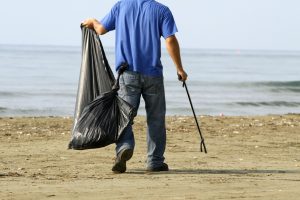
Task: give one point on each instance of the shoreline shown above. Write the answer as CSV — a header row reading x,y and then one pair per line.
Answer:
x,y
249,157
142,115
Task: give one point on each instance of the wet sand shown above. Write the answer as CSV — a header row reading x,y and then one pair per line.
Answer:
x,y
248,158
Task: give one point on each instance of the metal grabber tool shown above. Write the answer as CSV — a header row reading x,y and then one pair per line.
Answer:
x,y
202,144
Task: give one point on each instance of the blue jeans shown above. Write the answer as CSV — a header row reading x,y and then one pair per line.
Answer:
x,y
132,86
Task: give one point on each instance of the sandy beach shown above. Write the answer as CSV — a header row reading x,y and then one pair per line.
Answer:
x,y
248,158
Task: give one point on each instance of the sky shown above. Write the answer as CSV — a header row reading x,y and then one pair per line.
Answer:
x,y
202,24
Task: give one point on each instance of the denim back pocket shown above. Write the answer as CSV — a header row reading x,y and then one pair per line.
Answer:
x,y
154,86
129,83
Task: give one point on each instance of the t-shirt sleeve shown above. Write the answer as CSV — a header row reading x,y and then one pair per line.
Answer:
x,y
109,21
169,27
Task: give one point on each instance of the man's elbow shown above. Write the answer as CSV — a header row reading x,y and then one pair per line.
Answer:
x,y
171,42
171,39
100,29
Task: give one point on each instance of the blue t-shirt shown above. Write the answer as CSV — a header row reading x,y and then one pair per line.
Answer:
x,y
139,25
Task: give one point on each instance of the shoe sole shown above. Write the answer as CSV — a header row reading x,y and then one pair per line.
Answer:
x,y
120,165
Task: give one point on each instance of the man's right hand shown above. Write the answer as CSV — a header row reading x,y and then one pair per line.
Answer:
x,y
182,75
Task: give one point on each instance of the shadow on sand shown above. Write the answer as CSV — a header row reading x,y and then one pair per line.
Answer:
x,y
216,171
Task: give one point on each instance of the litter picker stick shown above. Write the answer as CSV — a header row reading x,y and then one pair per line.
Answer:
x,y
202,144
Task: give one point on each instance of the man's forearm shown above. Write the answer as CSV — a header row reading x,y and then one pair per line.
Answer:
x,y
99,28
174,51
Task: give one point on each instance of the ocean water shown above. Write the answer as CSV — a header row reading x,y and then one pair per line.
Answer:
x,y
43,80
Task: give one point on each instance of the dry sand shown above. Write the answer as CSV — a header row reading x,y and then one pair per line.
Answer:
x,y
248,158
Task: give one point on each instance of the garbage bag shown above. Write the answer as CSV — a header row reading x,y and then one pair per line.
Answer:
x,y
100,114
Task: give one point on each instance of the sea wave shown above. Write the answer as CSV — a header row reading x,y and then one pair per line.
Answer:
x,y
272,86
10,94
270,103
279,86
37,93
34,112
2,109
238,53
294,84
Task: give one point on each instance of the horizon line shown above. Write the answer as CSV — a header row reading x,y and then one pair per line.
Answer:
x,y
183,48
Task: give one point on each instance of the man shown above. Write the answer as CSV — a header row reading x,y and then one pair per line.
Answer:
x,y
139,25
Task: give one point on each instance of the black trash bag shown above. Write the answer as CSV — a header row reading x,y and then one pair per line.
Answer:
x,y
100,114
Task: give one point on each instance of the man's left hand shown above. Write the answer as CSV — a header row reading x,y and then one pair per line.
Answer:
x,y
89,23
